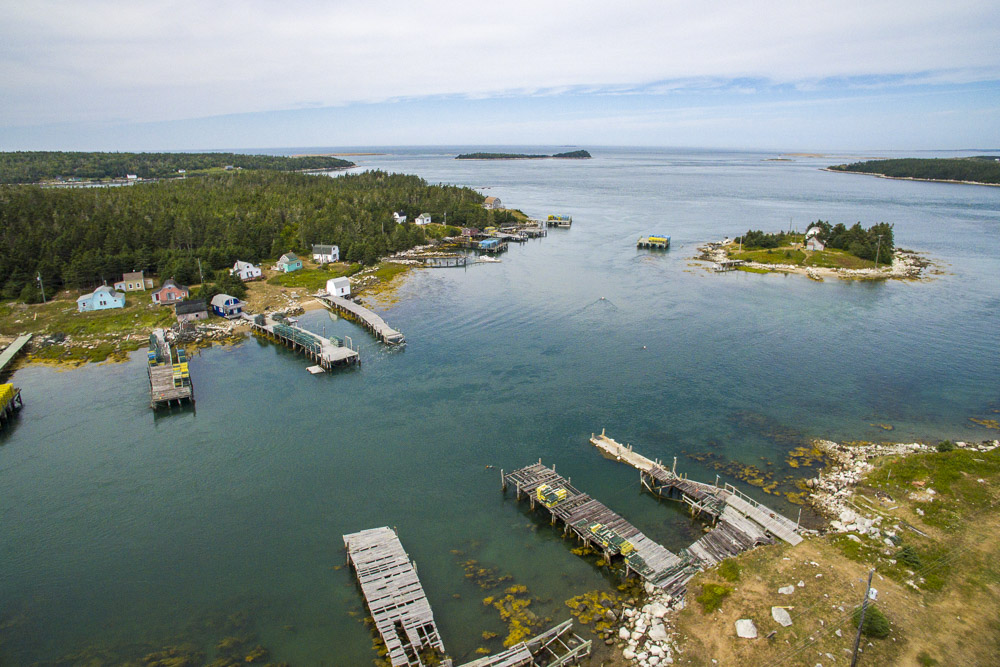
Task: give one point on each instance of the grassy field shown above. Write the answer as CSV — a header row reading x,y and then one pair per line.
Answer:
x,y
938,584
796,256
315,278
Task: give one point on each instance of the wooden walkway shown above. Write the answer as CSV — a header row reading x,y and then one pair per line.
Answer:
x,y
326,352
558,646
12,350
393,594
596,525
169,382
727,502
363,316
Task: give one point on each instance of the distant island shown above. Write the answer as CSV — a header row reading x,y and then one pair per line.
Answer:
x,y
39,166
571,155
979,170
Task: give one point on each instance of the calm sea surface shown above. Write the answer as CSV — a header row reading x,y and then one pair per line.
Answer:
x,y
120,529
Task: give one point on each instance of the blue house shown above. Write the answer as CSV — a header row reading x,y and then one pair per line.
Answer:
x,y
224,305
289,262
102,298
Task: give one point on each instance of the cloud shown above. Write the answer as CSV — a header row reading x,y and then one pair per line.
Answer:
x,y
97,60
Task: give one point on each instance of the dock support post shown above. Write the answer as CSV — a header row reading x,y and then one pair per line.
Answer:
x,y
674,469
799,519
503,481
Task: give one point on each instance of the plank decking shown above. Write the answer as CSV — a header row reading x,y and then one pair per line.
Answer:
x,y
365,317
11,350
394,596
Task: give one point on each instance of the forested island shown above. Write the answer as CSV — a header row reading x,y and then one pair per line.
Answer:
x,y
38,166
982,169
571,155
80,237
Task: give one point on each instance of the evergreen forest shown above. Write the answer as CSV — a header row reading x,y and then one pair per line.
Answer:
x,y
37,166
80,237
981,169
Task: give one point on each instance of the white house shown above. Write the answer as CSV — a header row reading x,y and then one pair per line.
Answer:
x,y
339,287
245,271
812,239
324,254
492,203
399,218
423,219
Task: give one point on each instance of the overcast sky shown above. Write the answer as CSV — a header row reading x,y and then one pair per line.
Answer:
x,y
102,75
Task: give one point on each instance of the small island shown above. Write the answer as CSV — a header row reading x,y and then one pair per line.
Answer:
x,y
824,250
979,170
571,155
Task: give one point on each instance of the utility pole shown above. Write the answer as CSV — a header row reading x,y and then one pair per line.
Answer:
x,y
41,286
861,623
877,248
200,274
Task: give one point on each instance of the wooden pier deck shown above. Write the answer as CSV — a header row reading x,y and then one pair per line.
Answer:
x,y
363,316
169,382
326,352
393,594
555,647
595,524
654,242
12,350
708,498
728,265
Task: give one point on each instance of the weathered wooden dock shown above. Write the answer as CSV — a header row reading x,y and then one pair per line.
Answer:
x,y
595,524
393,594
654,242
364,317
10,402
12,350
728,265
326,352
169,380
555,647
740,523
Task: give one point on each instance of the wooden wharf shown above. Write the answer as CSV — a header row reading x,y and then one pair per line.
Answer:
x,y
394,596
369,320
13,349
713,500
595,524
169,382
654,242
555,647
10,402
729,265
326,352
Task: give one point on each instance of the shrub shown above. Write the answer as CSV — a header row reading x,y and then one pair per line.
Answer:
x,y
712,596
909,557
945,446
876,624
729,570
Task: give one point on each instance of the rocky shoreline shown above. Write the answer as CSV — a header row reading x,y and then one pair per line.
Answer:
x,y
906,265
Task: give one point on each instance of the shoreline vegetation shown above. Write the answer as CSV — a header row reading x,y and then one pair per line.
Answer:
x,y
824,251
979,170
571,155
69,168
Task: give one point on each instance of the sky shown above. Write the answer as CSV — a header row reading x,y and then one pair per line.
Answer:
x,y
784,75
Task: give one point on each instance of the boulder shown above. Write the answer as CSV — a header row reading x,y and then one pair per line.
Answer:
x,y
847,516
628,654
657,610
658,633
787,590
746,629
781,616
623,633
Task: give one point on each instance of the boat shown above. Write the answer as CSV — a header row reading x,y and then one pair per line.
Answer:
x,y
487,258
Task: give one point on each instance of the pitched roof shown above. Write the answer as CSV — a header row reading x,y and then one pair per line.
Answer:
x,y
288,257
221,299
323,249
489,200
243,265
187,307
135,275
169,282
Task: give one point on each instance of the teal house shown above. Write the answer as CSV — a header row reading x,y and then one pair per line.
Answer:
x,y
289,262
102,298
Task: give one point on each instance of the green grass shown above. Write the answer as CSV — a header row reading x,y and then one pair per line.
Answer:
x,y
729,570
830,258
138,315
837,259
712,596
314,279
772,256
387,271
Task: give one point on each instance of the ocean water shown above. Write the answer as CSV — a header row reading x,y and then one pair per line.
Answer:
x,y
121,529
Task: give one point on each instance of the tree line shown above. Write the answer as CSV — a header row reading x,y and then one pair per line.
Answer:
x,y
81,237
875,242
36,166
981,169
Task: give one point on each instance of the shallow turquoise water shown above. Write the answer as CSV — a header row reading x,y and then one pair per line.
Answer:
x,y
118,526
